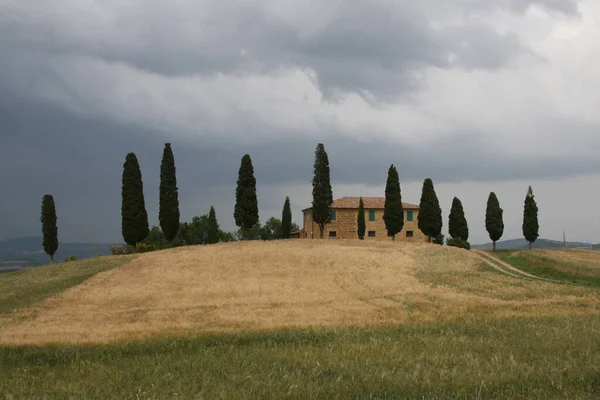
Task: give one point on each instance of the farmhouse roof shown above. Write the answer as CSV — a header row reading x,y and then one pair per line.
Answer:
x,y
370,203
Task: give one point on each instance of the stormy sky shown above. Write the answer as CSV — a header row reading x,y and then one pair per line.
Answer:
x,y
478,95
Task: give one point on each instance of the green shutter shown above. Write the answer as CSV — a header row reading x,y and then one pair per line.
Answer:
x,y
371,215
409,215
333,215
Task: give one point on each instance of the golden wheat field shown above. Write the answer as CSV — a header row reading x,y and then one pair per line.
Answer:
x,y
242,286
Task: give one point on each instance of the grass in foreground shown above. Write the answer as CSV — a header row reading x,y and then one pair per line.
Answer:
x,y
573,266
24,288
517,358
468,352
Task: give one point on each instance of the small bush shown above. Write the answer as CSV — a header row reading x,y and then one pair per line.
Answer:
x,y
456,242
117,250
439,239
144,247
120,250
71,258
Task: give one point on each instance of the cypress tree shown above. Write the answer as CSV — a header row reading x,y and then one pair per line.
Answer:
x,y
245,212
493,219
430,213
168,213
49,229
530,218
393,214
322,193
457,223
134,218
286,220
212,229
360,220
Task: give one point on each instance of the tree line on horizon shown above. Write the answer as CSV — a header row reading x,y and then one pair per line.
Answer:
x,y
205,229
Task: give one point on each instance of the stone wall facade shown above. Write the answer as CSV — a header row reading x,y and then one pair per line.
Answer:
x,y
344,226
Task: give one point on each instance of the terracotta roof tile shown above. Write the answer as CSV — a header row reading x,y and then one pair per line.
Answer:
x,y
370,203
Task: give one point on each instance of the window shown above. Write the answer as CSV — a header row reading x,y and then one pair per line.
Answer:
x,y
371,234
333,215
371,215
409,233
332,234
409,215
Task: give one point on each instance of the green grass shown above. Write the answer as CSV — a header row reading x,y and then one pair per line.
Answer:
x,y
546,267
23,288
517,358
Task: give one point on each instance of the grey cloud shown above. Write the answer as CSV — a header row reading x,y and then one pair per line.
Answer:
x,y
372,48
564,6
480,47
567,7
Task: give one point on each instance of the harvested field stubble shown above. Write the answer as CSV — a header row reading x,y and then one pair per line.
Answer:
x,y
247,286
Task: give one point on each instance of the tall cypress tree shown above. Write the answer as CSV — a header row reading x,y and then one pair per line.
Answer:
x,y
430,213
530,218
322,193
168,213
361,225
49,228
134,218
457,223
212,229
286,220
393,214
245,212
493,219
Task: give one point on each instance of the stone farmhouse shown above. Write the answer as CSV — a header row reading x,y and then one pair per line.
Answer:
x,y
344,213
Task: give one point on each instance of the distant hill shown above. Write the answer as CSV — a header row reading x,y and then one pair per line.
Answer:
x,y
540,243
28,252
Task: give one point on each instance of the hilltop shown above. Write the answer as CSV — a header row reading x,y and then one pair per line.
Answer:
x,y
257,286
26,252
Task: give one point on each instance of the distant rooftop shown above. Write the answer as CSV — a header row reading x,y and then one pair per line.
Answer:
x,y
369,202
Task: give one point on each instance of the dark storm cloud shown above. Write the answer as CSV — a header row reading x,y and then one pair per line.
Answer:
x,y
377,51
372,48
79,161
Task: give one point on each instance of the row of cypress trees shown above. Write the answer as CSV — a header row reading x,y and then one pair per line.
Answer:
x,y
494,224
135,227
430,212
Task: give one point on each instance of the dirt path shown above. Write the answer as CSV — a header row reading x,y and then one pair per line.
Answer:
x,y
491,264
506,265
489,259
